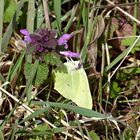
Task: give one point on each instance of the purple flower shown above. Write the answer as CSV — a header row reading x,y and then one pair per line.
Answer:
x,y
70,54
44,40
63,40
26,34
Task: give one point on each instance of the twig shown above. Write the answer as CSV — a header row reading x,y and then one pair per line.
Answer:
x,y
127,14
120,5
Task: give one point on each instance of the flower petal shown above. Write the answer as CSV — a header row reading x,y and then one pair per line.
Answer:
x,y
26,34
64,39
66,46
24,31
27,39
70,54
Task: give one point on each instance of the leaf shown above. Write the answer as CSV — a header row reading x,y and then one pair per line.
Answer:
x,y
33,115
39,15
114,90
1,135
9,11
30,49
100,26
31,75
31,15
74,85
11,27
130,41
41,128
57,10
53,59
111,27
1,21
2,78
16,67
122,55
94,136
41,75
82,111
27,70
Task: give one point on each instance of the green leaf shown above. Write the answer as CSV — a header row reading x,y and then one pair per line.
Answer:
x,y
10,10
122,55
94,136
1,135
39,15
31,15
41,75
36,135
74,85
2,78
1,20
70,21
82,111
17,66
114,89
41,128
31,76
53,59
27,70
130,41
57,10
33,115
11,27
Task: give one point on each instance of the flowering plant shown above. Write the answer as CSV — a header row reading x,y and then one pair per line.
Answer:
x,y
49,48
44,40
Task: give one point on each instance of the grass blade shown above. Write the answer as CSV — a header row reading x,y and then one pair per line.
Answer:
x,y
1,21
11,27
122,55
2,78
73,12
79,110
31,15
57,10
33,115
39,15
16,66
1,135
30,80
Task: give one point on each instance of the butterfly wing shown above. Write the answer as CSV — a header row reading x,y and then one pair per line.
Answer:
x,y
74,85
83,96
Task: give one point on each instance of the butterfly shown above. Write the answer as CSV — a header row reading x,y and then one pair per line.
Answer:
x,y
74,84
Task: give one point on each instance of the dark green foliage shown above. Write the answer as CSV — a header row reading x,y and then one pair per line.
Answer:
x,y
129,42
27,70
114,89
41,74
53,59
50,59
10,8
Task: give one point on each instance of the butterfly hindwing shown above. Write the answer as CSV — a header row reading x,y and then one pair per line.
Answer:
x,y
74,85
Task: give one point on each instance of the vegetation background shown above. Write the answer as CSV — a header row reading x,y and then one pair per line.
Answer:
x,y
106,34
